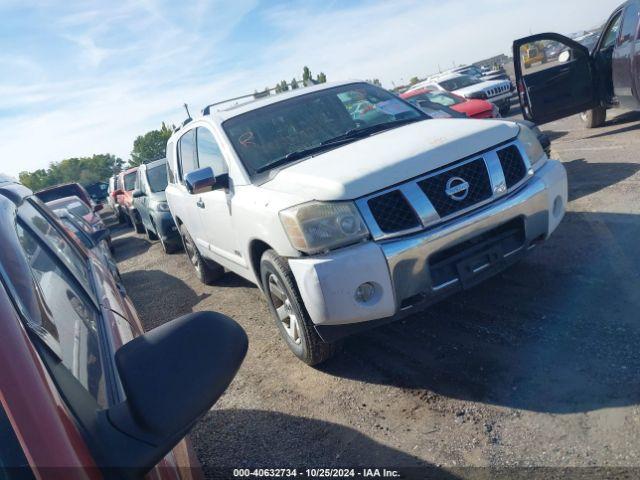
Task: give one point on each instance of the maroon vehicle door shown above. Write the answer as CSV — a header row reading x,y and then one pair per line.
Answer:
x,y
626,58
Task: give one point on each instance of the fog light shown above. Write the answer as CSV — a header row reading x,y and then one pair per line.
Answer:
x,y
365,292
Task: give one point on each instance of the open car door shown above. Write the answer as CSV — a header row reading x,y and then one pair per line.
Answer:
x,y
555,77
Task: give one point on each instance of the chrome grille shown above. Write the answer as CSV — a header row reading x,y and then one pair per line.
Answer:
x,y
424,201
474,173
512,165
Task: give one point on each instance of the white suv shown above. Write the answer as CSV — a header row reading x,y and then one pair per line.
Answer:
x,y
349,219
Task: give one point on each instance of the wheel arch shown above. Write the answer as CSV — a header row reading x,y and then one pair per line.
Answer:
x,y
256,248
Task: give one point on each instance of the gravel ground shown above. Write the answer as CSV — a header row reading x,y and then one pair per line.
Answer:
x,y
537,367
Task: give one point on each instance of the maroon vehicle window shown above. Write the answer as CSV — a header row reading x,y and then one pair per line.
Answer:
x,y
68,322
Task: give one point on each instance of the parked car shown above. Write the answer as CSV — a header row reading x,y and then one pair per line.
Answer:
x,y
111,198
150,202
96,240
86,393
98,191
584,81
345,226
124,197
68,190
79,208
497,92
472,108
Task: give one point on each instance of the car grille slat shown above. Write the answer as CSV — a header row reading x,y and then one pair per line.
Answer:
x,y
474,173
392,212
512,164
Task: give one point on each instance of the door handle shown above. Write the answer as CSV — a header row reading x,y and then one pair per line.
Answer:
x,y
200,203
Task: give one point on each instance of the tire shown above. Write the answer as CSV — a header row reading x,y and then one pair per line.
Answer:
x,y
288,310
138,226
594,118
151,235
505,109
207,271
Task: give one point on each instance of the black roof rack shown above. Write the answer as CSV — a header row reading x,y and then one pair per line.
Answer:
x,y
256,95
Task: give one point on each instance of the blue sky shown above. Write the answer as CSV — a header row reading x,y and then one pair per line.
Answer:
x,y
82,77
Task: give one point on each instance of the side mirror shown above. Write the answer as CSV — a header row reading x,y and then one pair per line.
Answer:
x,y
171,376
100,235
137,193
98,207
564,56
200,181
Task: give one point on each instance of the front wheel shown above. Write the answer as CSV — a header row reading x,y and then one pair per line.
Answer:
x,y
208,272
291,317
594,118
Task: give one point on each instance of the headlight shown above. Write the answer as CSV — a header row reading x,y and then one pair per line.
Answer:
x,y
317,226
532,146
162,206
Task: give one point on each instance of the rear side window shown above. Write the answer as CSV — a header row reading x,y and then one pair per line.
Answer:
x,y
68,322
209,154
629,24
187,153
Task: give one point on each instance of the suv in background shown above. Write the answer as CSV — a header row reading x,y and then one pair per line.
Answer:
x,y
581,80
347,222
85,392
124,198
150,202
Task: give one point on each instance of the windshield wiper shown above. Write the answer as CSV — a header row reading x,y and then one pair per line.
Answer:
x,y
356,133
349,135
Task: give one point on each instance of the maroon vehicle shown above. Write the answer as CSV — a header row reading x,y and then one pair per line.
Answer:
x,y
124,199
84,392
68,190
583,81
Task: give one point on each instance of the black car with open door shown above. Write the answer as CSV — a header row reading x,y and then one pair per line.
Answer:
x,y
580,80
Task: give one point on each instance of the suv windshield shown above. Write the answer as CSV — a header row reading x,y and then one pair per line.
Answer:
x,y
308,124
458,82
157,177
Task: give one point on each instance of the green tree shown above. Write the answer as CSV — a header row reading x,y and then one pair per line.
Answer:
x,y
306,75
413,80
294,84
321,78
83,170
150,146
278,88
375,81
284,86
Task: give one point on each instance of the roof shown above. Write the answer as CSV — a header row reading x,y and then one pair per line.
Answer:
x,y
155,163
235,110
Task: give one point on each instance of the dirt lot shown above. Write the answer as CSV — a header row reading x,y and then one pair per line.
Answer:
x,y
538,366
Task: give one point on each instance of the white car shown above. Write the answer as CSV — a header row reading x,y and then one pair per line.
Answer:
x,y
345,224
497,92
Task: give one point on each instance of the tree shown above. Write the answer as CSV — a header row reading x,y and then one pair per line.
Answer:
x,y
150,146
306,75
284,86
375,81
278,88
321,78
294,84
84,170
413,80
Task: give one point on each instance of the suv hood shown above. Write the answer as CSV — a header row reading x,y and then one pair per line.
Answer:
x,y
387,158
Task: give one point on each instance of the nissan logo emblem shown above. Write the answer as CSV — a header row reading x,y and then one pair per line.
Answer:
x,y
457,188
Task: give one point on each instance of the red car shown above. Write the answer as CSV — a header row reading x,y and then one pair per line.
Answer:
x,y
124,199
84,392
471,108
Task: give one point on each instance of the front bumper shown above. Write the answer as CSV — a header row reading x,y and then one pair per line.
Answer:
x,y
425,267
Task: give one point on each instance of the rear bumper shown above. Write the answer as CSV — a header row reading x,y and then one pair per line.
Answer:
x,y
422,268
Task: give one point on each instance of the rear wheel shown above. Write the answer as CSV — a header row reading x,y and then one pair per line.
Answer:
x,y
594,118
151,235
288,310
208,272
135,223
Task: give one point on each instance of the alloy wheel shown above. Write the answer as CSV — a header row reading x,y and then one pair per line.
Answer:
x,y
284,309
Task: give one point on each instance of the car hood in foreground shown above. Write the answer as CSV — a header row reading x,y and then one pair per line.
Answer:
x,y
388,158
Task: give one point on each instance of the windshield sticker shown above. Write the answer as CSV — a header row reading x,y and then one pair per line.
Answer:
x,y
393,107
246,139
